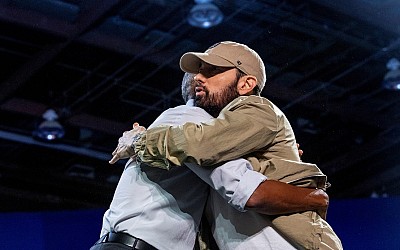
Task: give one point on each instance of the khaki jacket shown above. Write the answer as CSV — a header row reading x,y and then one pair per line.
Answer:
x,y
251,127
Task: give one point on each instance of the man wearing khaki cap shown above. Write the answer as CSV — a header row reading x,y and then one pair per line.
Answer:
x,y
157,209
249,125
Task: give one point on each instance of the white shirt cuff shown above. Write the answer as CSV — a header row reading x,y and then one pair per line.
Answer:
x,y
248,183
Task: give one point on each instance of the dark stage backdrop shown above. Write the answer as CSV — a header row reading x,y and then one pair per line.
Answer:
x,y
360,223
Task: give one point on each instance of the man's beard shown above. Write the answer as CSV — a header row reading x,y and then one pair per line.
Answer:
x,y
215,102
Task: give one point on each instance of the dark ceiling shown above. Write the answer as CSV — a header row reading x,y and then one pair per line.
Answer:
x,y
104,64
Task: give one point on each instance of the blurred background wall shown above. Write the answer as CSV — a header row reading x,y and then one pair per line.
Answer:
x,y
369,223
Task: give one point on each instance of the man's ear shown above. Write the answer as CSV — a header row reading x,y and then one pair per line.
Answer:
x,y
246,84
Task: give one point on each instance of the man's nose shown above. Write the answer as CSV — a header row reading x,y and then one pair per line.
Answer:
x,y
199,77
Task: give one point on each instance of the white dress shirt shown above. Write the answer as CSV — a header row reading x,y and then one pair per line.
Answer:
x,y
163,207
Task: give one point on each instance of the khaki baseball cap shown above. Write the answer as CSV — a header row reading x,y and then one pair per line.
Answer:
x,y
227,54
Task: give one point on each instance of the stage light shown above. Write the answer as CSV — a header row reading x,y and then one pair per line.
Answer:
x,y
50,129
205,14
391,81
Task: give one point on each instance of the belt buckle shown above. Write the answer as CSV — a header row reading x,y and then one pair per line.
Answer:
x,y
102,239
140,244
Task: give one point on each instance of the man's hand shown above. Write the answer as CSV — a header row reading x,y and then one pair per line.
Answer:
x,y
300,151
321,197
124,149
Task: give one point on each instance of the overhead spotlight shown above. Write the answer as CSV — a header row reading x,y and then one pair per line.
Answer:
x,y
205,14
50,129
391,80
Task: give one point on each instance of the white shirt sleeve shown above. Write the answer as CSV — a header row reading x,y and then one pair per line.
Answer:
x,y
235,180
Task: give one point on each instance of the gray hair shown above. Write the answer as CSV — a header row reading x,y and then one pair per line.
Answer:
x,y
188,86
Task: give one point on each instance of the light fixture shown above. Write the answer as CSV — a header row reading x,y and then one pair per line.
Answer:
x,y
50,129
205,14
391,80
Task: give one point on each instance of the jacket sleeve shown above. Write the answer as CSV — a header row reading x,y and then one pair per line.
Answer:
x,y
246,125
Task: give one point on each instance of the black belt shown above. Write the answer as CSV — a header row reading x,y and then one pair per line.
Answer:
x,y
127,240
